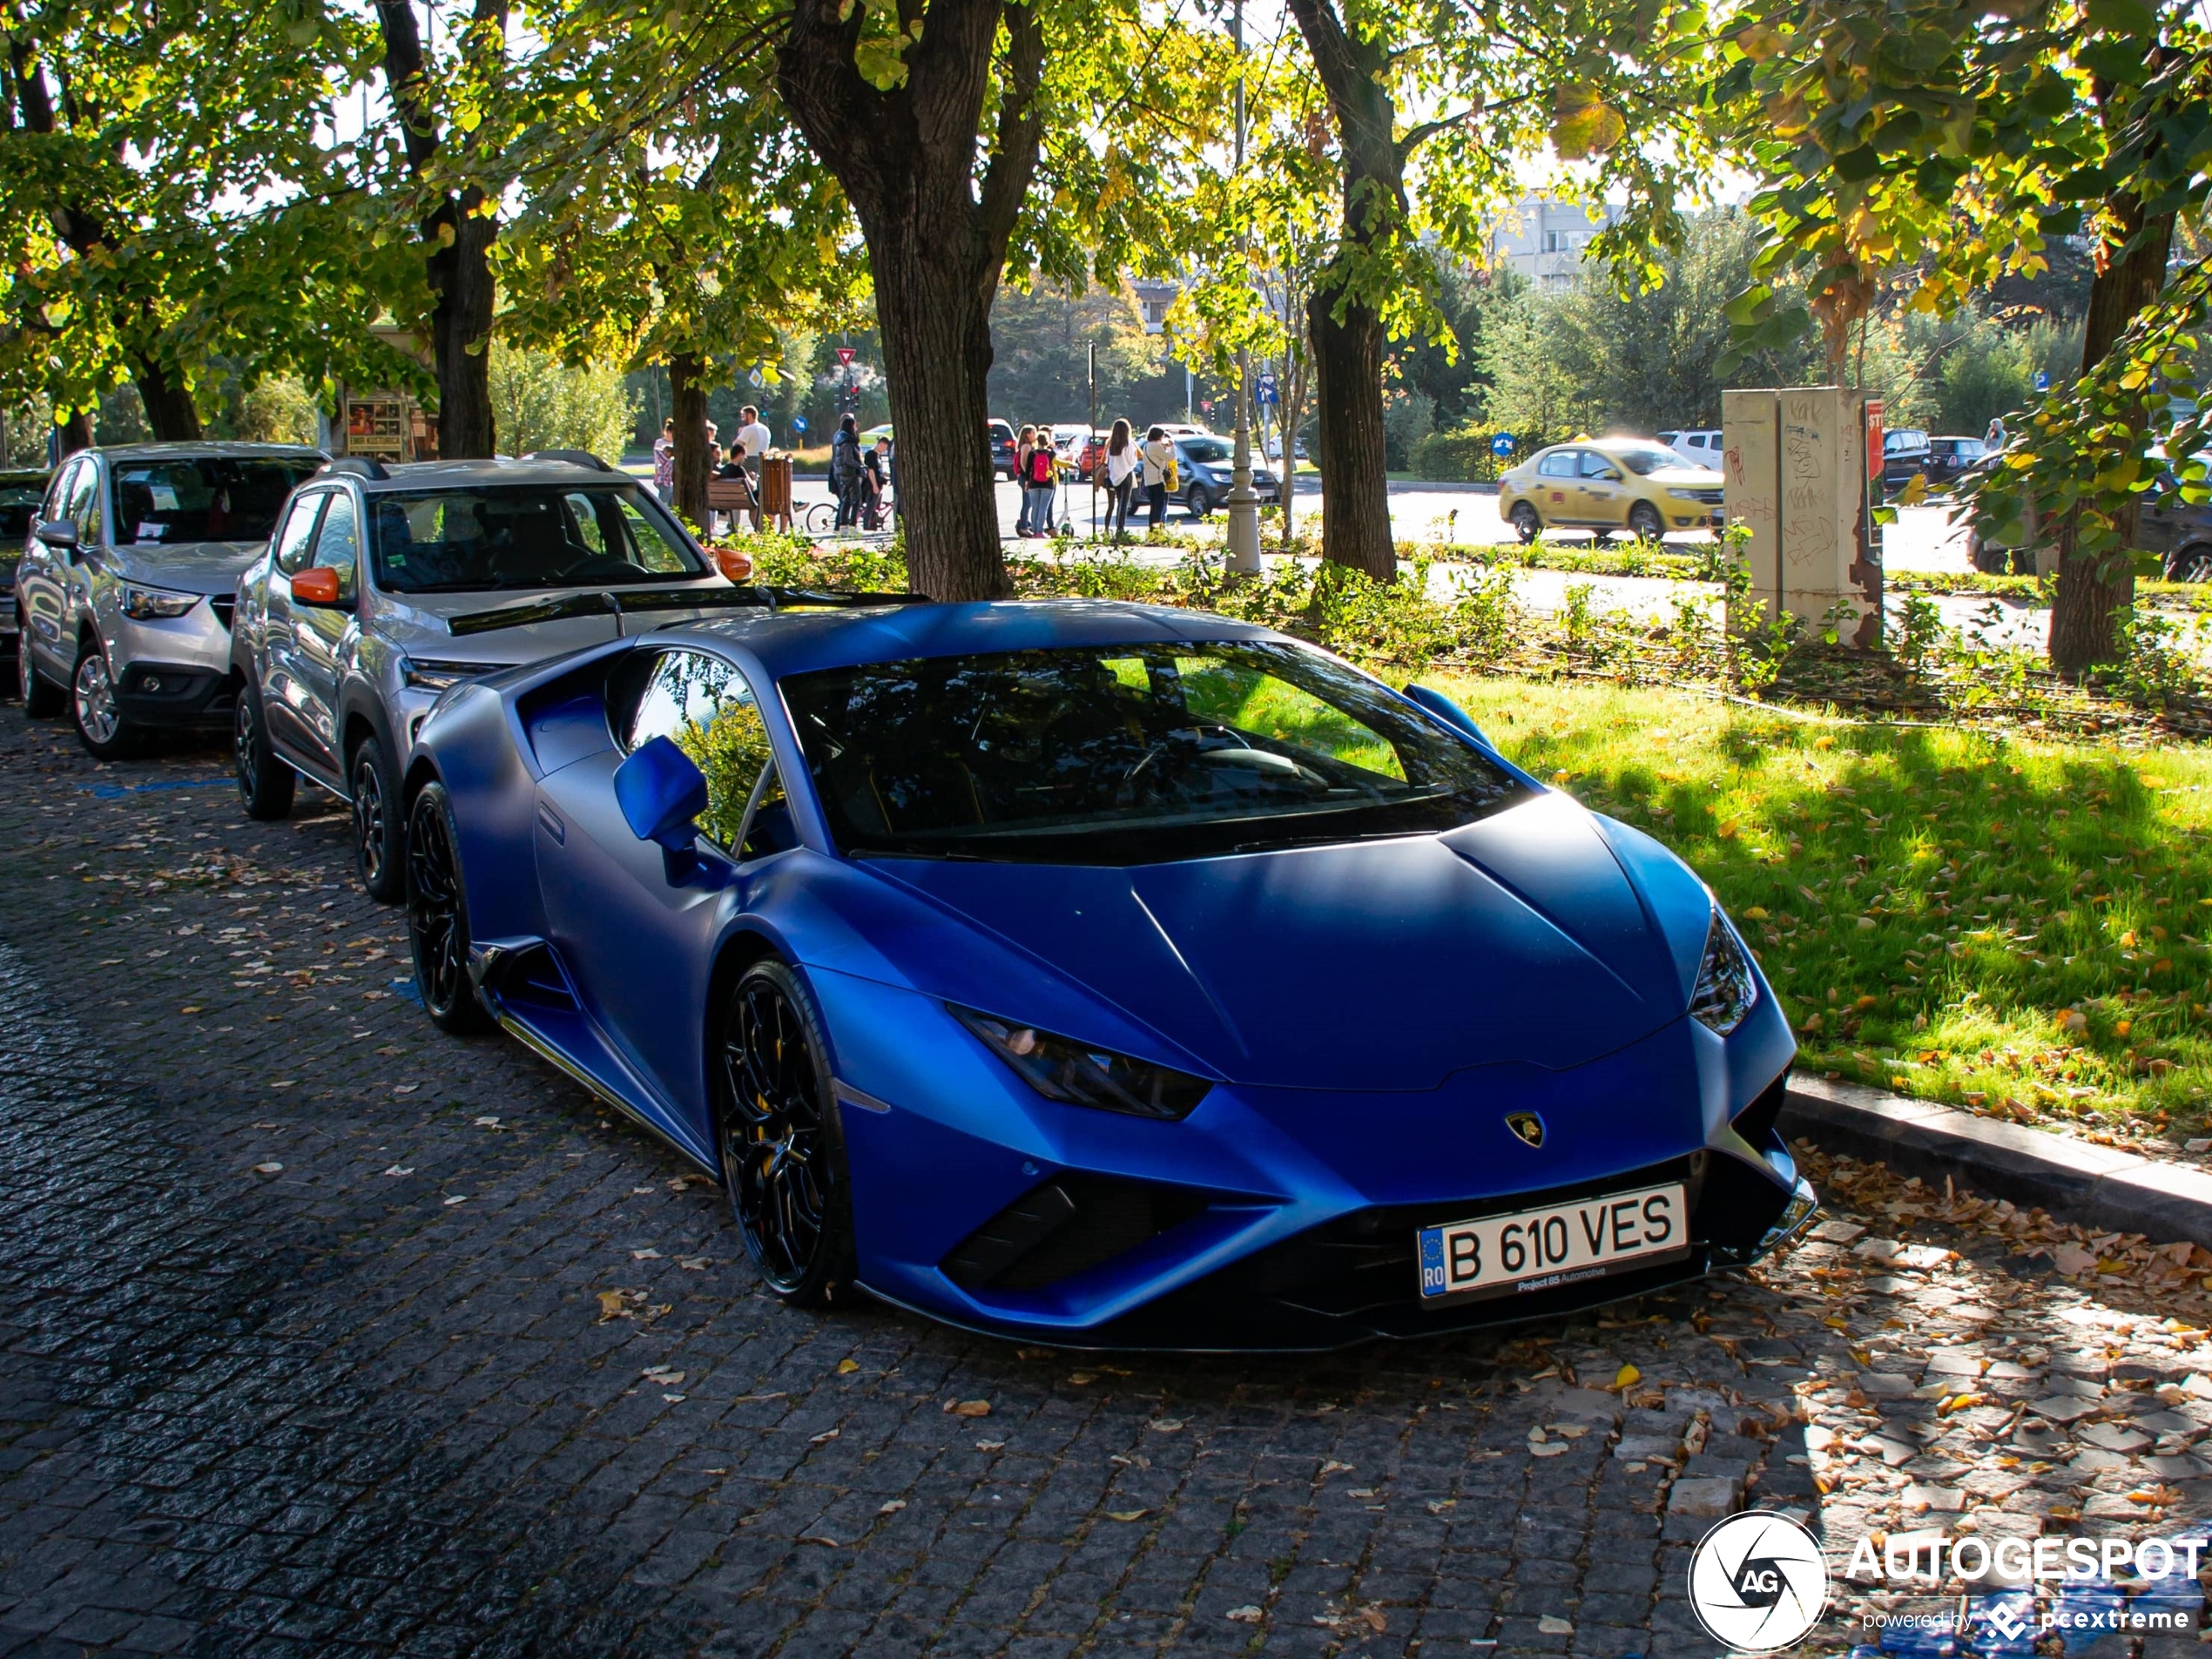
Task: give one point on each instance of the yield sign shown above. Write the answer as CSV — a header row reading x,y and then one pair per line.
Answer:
x,y
845,356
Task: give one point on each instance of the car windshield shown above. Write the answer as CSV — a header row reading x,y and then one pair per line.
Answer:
x,y
522,535
1644,459
19,506
208,498
1207,450
1124,754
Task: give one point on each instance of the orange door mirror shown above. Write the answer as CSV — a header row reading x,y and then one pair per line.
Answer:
x,y
316,585
735,565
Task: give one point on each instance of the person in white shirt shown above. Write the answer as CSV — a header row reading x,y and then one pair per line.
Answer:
x,y
1158,452
1121,465
753,440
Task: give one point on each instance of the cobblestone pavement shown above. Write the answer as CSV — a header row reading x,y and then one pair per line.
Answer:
x,y
321,1332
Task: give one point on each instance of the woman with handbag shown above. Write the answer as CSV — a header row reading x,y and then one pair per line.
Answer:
x,y
1122,462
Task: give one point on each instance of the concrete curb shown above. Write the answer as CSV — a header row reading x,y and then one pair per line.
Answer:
x,y
2074,1181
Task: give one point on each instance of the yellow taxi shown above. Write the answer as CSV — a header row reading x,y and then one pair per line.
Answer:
x,y
1630,485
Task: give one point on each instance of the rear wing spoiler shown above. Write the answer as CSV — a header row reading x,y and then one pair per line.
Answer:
x,y
620,604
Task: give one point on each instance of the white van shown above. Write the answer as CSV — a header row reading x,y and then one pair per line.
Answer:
x,y
1700,446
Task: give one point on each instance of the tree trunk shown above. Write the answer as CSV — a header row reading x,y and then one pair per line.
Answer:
x,y
460,239
2092,588
936,244
168,403
77,432
687,389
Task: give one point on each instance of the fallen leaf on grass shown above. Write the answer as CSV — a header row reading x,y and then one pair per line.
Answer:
x,y
663,1376
968,1407
1624,1377
846,1368
610,1306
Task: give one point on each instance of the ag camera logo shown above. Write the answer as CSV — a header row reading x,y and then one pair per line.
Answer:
x,y
1758,1584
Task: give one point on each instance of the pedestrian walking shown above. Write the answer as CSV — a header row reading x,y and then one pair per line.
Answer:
x,y
878,461
753,440
664,463
1159,467
1040,480
1022,444
1121,463
847,472
1995,437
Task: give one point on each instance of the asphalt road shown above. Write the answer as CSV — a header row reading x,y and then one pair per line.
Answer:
x,y
323,1333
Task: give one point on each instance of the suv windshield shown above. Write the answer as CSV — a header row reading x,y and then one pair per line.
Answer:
x,y
1644,461
19,507
205,499
523,536
1207,450
1124,754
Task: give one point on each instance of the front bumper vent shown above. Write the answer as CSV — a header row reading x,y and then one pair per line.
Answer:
x,y
1064,1228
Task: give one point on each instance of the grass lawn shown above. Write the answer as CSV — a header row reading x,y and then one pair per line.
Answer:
x,y
2014,928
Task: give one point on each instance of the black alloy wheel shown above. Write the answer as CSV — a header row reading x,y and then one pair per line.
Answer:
x,y
2191,564
437,917
779,1141
264,784
1201,504
1526,524
378,838
42,699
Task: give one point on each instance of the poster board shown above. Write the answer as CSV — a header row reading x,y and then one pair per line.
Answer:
x,y
1796,471
379,425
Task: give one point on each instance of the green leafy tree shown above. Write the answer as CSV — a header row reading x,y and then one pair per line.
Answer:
x,y
1043,342
1962,143
540,402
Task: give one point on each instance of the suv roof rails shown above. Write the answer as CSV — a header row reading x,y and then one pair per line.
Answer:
x,y
360,466
574,457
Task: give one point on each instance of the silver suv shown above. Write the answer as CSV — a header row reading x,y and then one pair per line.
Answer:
x,y
384,586
125,587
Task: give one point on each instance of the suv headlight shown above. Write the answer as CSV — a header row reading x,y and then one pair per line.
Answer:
x,y
1727,989
1064,1069
422,675
147,605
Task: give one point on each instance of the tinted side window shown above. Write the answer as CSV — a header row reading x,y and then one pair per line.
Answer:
x,y
338,542
703,706
1558,466
296,539
81,508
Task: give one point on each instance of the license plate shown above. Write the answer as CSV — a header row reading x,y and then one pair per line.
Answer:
x,y
1560,1244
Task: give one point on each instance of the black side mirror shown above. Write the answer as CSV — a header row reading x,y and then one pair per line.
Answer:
x,y
58,533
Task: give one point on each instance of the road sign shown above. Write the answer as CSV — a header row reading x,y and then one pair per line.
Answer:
x,y
2042,380
845,356
1501,444
1264,391
757,379
798,423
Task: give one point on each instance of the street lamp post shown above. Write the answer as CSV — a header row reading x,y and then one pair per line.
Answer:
x,y
1243,504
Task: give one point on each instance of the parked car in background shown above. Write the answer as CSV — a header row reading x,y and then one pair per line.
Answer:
x,y
1002,447
1609,484
1949,459
966,947
2178,530
1699,445
22,488
1906,455
1204,469
384,587
1275,447
124,587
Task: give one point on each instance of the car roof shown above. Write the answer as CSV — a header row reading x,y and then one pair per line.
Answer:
x,y
474,474
213,449
794,642
25,475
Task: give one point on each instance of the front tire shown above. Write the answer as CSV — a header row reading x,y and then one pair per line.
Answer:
x,y
92,708
380,842
780,1140
1200,502
437,917
42,699
1645,524
1526,524
2190,564
264,784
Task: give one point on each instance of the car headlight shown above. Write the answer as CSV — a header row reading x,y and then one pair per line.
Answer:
x,y
1064,1069
423,674
1727,989
147,605
1686,494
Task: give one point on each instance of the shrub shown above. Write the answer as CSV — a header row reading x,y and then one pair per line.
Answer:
x,y
1461,456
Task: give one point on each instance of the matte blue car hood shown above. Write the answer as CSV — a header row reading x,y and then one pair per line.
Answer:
x,y
1380,965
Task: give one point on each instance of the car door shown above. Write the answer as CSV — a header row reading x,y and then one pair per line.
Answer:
x,y
1559,487
285,693
634,924
323,635
40,576
1605,492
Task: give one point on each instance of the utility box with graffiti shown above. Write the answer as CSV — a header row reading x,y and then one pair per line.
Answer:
x,y
1803,475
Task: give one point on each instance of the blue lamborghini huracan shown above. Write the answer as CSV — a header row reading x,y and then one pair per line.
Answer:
x,y
1102,974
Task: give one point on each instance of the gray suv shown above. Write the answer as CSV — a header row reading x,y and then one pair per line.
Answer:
x,y
384,586
123,589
